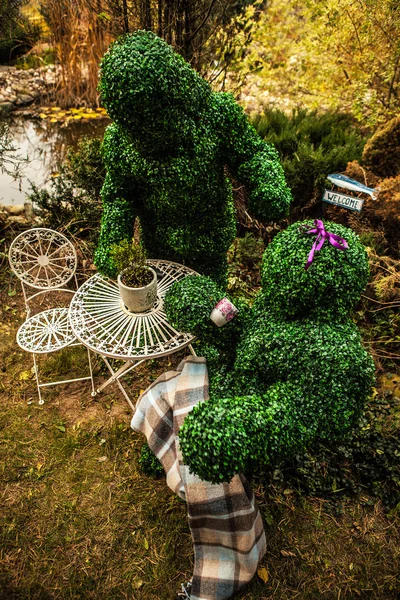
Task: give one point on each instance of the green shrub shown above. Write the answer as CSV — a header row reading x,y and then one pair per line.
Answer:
x,y
327,376
382,151
295,371
248,250
188,304
165,156
310,146
20,37
73,200
223,437
149,463
329,288
86,167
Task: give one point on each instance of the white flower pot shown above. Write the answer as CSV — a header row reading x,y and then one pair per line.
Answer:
x,y
138,300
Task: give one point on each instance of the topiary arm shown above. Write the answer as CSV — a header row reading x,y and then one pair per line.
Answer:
x,y
223,437
253,162
119,195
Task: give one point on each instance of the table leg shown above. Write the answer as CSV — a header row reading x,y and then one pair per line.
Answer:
x,y
115,375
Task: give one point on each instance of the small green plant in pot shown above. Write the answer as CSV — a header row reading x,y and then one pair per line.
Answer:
x,y
137,281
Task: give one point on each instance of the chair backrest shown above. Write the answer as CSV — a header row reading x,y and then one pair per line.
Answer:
x,y
42,259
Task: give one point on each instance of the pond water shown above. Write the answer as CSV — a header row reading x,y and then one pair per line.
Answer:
x,y
44,146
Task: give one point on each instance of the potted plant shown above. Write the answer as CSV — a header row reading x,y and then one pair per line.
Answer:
x,y
137,281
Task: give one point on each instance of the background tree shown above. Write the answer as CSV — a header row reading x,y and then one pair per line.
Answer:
x,y
190,26
212,36
9,12
336,53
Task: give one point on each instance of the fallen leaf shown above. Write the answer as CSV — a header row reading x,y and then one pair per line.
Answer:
x,y
137,584
61,428
263,574
102,459
24,375
146,544
287,553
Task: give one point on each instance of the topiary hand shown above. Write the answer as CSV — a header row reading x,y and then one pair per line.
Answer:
x,y
223,437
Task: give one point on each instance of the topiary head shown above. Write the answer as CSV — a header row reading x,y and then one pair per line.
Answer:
x,y
150,90
329,288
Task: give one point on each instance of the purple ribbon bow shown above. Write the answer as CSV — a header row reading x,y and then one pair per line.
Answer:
x,y
322,235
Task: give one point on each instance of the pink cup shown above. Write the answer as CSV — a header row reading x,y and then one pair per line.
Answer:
x,y
223,312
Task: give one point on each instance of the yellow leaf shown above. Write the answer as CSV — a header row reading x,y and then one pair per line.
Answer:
x,y
43,116
55,108
24,375
137,584
146,544
77,117
53,120
263,574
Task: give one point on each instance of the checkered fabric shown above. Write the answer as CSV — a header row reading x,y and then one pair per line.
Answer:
x,y
224,520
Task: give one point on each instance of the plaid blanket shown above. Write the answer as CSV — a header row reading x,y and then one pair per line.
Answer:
x,y
224,520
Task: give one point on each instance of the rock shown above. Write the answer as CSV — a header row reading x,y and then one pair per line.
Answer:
x,y
15,210
24,99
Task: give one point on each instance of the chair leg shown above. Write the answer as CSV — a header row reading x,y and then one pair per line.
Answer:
x,y
94,393
36,367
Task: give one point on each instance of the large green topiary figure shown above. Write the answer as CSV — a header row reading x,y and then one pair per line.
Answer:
x,y
165,155
296,369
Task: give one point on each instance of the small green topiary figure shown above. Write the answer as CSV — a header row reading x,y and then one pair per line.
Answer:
x,y
296,369
165,155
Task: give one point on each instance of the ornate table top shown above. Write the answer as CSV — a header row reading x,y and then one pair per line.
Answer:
x,y
102,323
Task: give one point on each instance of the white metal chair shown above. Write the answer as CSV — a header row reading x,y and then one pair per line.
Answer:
x,y
45,260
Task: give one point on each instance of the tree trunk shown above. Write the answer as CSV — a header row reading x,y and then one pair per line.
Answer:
x,y
125,14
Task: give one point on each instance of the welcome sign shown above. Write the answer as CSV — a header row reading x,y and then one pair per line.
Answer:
x,y
343,200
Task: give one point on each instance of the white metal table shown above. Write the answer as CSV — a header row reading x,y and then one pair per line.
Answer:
x,y
102,323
